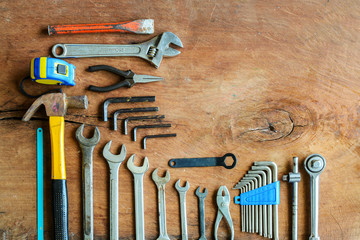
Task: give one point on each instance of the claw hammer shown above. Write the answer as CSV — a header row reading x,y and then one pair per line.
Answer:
x,y
56,105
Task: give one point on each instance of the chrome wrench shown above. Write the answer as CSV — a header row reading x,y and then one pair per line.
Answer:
x,y
138,173
201,196
182,193
87,149
314,165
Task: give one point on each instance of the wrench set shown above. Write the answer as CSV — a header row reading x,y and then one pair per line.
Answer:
x,y
259,187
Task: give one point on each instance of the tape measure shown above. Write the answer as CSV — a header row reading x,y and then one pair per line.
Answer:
x,y
52,71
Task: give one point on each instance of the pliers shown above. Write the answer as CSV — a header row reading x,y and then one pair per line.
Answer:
x,y
223,202
130,78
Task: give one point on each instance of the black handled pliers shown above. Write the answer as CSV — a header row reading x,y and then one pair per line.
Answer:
x,y
130,78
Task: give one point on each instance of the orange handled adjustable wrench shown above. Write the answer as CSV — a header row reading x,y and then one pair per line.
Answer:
x,y
141,26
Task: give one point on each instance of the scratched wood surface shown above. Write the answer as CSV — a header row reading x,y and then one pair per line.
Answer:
x,y
265,80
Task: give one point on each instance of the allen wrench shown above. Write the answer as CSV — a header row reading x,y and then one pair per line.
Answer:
x,y
132,110
156,136
135,118
148,126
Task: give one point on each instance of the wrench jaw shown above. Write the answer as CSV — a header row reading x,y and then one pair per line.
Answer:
x,y
201,194
160,180
88,142
135,169
182,189
114,158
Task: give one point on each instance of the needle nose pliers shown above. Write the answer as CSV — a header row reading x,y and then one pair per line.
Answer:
x,y
223,202
130,78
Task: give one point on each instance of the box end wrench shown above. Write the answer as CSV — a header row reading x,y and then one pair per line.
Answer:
x,y
87,146
160,184
114,162
201,196
182,194
138,173
314,166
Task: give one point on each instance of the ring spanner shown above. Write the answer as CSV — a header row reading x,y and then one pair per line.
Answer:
x,y
203,162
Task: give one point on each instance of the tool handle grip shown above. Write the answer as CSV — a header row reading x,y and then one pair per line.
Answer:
x,y
57,125
60,209
124,83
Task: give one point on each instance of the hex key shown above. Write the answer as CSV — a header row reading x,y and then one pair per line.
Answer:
x,y
156,136
126,120
132,110
148,126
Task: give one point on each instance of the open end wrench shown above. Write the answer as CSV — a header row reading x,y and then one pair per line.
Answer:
x,y
152,51
87,148
314,166
201,196
160,184
182,193
114,162
138,173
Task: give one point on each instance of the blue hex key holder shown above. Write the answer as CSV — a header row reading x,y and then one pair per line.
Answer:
x,y
265,195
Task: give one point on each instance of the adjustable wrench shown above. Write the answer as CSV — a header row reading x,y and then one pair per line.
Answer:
x,y
138,173
314,165
182,193
114,164
152,51
87,149
201,197
160,184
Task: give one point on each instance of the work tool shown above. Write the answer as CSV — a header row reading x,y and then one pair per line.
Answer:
x,y
152,51
124,100
314,166
255,220
132,110
87,146
114,162
249,184
203,162
223,202
40,183
182,194
138,173
136,118
201,196
294,177
56,105
140,26
156,136
160,184
167,125
129,78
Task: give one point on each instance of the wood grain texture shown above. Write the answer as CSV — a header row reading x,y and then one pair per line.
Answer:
x,y
266,80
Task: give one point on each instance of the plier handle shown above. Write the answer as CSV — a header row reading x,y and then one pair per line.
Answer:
x,y
223,202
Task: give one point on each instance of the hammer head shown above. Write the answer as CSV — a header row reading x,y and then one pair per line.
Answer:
x,y
56,104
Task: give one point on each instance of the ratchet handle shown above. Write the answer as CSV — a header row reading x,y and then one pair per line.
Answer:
x,y
60,209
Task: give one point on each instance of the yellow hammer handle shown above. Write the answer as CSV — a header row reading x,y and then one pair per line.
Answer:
x,y
57,125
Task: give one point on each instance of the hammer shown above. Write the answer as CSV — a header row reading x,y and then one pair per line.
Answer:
x,y
56,105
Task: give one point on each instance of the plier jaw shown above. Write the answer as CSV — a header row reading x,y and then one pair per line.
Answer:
x,y
223,202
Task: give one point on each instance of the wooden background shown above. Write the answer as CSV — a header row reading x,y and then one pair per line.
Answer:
x,y
266,80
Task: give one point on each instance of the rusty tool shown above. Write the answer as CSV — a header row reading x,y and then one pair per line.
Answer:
x,y
140,26
148,126
56,105
132,110
124,100
152,51
156,136
136,118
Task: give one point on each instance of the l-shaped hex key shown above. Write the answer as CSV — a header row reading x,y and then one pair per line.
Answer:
x,y
132,110
148,126
156,136
128,119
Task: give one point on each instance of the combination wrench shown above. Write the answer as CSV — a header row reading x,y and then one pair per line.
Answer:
x,y
138,173
114,162
160,184
87,148
314,166
182,194
201,196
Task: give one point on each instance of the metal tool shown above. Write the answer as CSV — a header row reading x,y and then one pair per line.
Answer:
x,y
114,162
160,184
138,173
223,202
156,136
314,166
152,51
258,209
140,26
87,148
250,185
182,194
136,118
294,177
148,126
203,162
56,105
132,110
40,183
129,78
201,196
246,212
124,100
